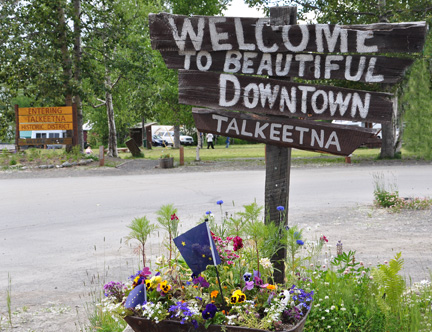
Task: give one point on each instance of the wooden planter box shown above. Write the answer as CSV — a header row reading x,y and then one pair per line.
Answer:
x,y
139,324
166,162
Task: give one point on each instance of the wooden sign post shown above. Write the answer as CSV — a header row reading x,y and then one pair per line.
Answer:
x,y
239,64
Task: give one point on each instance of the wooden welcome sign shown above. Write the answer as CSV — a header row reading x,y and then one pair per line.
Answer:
x,y
217,56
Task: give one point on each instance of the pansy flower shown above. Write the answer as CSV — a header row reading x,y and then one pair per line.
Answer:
x,y
247,276
164,287
209,311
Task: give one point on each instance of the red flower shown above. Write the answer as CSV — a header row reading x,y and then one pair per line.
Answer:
x,y
323,238
174,217
238,243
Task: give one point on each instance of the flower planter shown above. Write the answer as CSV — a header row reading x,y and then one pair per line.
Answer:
x,y
166,162
139,324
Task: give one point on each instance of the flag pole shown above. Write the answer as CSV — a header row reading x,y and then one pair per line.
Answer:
x,y
215,265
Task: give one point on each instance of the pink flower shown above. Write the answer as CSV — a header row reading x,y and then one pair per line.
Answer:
x,y
174,217
323,238
238,243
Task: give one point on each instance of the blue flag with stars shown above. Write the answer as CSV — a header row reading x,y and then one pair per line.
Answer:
x,y
197,248
137,296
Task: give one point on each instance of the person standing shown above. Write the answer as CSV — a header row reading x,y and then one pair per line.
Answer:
x,y
227,142
209,138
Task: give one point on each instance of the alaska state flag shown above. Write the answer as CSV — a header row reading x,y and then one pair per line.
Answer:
x,y
197,248
136,296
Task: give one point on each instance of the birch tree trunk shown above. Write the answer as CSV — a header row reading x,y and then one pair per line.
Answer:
x,y
77,73
112,133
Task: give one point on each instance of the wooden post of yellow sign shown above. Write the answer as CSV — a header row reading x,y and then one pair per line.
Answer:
x,y
16,128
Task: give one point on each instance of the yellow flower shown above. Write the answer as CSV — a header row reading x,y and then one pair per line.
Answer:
x,y
214,293
234,299
155,281
148,284
238,297
164,286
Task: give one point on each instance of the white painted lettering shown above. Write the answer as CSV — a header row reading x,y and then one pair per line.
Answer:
x,y
286,133
248,63
255,97
266,93
219,119
274,133
324,103
333,140
331,38
360,68
362,106
209,60
315,138
302,58
329,66
232,58
370,77
216,37
305,89
265,64
340,102
259,130
279,58
361,38
259,37
240,36
317,65
232,126
223,79
243,129
187,29
304,41
187,59
302,130
289,101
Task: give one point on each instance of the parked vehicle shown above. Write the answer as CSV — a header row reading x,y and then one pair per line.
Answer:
x,y
169,137
158,141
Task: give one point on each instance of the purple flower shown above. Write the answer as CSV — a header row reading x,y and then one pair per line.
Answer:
x,y
202,282
208,212
194,323
220,202
249,285
198,298
280,208
209,311
300,242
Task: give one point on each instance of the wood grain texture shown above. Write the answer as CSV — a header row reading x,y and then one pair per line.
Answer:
x,y
300,134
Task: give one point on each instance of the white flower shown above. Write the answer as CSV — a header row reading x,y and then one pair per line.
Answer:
x,y
332,307
343,309
265,262
326,297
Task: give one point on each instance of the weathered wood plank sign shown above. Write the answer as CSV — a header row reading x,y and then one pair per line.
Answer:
x,y
283,98
355,68
204,33
214,55
302,134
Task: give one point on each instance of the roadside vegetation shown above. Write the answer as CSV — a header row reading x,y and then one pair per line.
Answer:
x,y
246,152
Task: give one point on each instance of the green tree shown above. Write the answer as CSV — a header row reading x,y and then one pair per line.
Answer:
x,y
141,229
165,101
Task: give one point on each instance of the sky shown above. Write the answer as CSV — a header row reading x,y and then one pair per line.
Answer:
x,y
239,9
